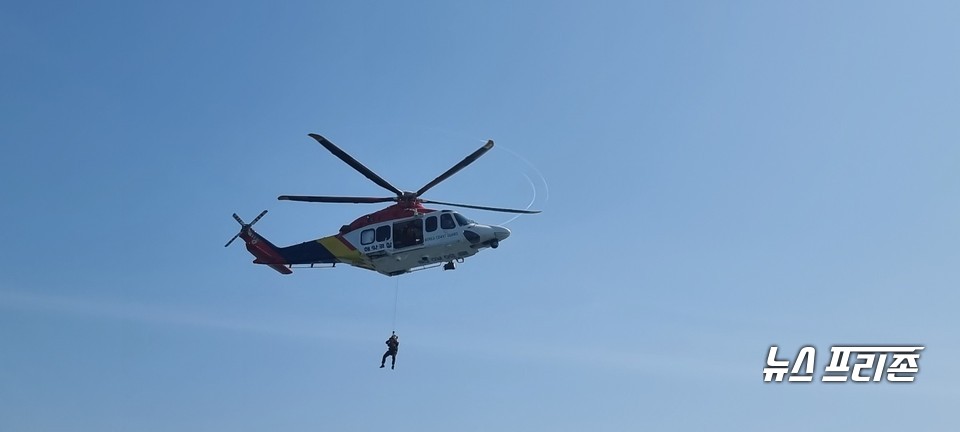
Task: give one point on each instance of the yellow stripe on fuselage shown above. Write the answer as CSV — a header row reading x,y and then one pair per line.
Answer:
x,y
344,253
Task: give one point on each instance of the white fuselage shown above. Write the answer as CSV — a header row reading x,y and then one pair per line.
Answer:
x,y
397,246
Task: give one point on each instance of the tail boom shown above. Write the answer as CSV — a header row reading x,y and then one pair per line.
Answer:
x,y
326,250
264,251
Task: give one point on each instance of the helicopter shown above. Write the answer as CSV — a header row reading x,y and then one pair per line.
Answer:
x,y
403,237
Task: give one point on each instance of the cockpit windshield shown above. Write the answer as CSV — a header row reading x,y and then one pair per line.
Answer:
x,y
463,221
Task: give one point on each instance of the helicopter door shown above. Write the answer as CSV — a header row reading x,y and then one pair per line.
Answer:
x,y
408,233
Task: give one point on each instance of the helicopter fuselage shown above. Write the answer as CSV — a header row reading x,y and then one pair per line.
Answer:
x,y
390,246
397,246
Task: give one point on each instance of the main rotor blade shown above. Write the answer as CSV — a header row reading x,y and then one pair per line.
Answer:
x,y
356,165
496,209
466,161
336,199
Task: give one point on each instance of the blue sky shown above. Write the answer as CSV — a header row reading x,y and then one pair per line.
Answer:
x,y
718,177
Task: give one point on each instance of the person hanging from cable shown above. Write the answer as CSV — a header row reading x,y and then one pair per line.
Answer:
x,y
392,344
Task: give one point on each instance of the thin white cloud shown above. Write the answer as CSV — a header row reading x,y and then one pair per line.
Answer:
x,y
639,360
127,311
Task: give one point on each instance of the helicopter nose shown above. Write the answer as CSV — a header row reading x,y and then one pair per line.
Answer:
x,y
500,232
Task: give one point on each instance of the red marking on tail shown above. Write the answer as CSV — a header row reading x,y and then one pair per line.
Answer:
x,y
264,251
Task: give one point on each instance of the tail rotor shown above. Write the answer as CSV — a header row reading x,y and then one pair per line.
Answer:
x,y
244,226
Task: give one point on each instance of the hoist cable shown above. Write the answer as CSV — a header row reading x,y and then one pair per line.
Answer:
x,y
396,300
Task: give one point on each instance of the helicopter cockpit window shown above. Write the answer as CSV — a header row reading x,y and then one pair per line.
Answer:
x,y
446,221
462,220
366,236
431,224
383,233
408,233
